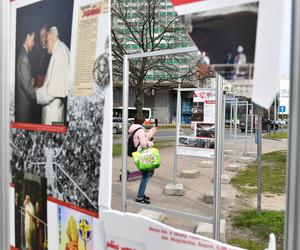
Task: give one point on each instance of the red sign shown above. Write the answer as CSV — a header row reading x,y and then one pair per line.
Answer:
x,y
179,2
39,127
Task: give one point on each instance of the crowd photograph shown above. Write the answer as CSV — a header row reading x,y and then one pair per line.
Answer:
x,y
70,162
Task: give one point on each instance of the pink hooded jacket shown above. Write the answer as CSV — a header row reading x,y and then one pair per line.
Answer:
x,y
141,136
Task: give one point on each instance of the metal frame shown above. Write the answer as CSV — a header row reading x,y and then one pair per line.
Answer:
x,y
218,148
237,104
219,156
4,125
178,124
247,104
292,218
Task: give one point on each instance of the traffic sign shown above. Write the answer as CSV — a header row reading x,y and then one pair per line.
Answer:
x,y
282,109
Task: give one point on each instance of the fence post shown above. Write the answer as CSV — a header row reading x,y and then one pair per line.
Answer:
x,y
218,164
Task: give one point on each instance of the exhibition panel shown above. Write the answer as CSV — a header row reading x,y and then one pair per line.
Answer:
x,y
60,99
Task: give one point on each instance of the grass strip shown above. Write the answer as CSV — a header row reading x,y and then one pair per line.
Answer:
x,y
273,175
256,228
276,136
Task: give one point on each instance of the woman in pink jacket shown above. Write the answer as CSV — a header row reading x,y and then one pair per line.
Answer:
x,y
142,139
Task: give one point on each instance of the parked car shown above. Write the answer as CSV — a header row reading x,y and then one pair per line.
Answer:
x,y
243,123
184,140
267,124
228,122
117,125
280,122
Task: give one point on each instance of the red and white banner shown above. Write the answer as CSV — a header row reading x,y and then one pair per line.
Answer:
x,y
184,7
147,234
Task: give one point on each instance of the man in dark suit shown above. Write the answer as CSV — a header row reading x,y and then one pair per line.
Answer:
x,y
25,92
40,62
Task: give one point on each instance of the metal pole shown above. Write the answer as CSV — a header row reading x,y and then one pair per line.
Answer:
x,y
230,129
246,127
178,122
223,131
259,164
125,131
5,223
275,109
235,130
251,117
2,133
279,124
251,127
292,218
218,157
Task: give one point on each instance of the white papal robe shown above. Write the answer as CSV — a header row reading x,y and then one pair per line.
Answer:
x,y
29,226
55,85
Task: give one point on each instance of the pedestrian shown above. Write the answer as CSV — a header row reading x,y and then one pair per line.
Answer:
x,y
240,60
142,139
229,70
204,59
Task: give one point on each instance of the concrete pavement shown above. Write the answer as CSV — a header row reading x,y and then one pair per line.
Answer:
x,y
195,188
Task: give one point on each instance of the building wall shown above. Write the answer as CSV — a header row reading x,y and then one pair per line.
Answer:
x,y
161,102
163,106
118,98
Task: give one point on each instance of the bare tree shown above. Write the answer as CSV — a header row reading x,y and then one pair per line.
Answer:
x,y
140,27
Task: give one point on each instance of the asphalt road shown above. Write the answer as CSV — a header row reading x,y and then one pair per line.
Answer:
x,y
170,134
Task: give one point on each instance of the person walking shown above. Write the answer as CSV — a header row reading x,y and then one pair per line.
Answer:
x,y
142,139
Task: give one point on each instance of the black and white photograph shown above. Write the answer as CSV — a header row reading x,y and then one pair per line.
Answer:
x,y
194,142
198,112
204,130
42,63
71,162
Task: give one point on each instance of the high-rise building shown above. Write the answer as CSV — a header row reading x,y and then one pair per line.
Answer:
x,y
164,30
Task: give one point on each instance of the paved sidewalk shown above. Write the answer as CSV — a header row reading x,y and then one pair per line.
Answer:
x,y
192,201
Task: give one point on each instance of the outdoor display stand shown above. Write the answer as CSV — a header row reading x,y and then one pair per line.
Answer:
x,y
215,220
199,144
246,104
234,104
